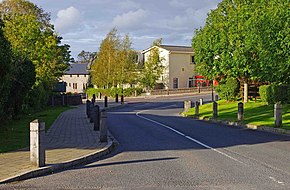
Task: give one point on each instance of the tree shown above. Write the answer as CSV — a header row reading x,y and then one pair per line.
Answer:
x,y
153,67
17,77
115,64
33,40
86,57
28,29
233,42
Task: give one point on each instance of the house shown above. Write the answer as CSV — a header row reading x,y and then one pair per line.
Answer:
x,y
76,78
179,65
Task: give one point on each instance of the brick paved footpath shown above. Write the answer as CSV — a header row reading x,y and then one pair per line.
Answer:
x,y
71,137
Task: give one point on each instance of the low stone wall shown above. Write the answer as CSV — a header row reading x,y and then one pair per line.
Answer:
x,y
180,91
65,100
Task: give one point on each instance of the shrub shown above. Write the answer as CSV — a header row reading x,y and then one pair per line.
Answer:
x,y
229,90
111,92
275,93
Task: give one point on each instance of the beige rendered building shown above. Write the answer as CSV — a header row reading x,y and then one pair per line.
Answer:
x,y
76,78
179,64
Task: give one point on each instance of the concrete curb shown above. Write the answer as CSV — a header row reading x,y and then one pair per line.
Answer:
x,y
62,166
245,126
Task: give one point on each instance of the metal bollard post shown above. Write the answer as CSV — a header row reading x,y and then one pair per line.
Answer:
x,y
91,113
106,101
103,127
216,97
122,99
278,114
117,98
96,118
215,110
94,99
187,105
88,108
196,109
240,111
37,140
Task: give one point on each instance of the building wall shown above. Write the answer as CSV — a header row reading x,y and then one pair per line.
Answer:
x,y
180,67
176,65
75,83
164,56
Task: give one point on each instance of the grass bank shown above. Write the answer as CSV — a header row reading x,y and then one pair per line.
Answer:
x,y
14,134
255,113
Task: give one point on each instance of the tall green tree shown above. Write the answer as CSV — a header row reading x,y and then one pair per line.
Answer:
x,y
244,40
32,36
33,39
153,67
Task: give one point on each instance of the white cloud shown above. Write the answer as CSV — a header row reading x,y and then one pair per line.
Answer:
x,y
67,19
129,20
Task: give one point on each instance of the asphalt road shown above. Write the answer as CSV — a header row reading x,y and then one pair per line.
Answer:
x,y
158,149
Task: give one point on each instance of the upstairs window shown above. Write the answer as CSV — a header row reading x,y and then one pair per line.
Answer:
x,y
192,60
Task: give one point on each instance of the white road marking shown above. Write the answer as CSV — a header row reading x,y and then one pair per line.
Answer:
x,y
189,138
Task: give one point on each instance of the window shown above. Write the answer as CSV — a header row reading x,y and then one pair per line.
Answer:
x,y
75,86
192,60
182,69
84,86
85,75
69,84
78,75
190,82
70,75
175,82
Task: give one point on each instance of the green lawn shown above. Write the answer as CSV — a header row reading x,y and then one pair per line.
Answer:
x,y
256,113
15,134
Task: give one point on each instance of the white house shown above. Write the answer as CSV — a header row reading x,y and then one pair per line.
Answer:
x,y
179,65
76,78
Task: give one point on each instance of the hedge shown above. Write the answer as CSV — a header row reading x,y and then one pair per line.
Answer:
x,y
275,93
111,92
229,90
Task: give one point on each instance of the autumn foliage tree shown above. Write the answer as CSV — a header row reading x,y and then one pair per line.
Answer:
x,y
115,63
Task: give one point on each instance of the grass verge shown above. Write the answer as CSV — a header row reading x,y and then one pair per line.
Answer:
x,y
14,134
255,113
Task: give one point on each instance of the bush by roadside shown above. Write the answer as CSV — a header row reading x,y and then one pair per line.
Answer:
x,y
273,93
111,92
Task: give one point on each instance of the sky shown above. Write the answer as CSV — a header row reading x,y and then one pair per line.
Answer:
x,y
83,24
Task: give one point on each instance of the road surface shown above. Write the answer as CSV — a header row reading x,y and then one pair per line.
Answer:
x,y
158,149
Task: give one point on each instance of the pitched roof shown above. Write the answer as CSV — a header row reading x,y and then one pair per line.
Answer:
x,y
177,48
77,69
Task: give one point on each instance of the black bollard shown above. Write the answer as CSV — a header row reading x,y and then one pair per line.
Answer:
x,y
106,101
96,118
94,99
117,98
91,113
215,110
240,111
88,107
122,99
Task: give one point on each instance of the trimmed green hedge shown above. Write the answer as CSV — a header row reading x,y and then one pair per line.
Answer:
x,y
275,93
111,92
